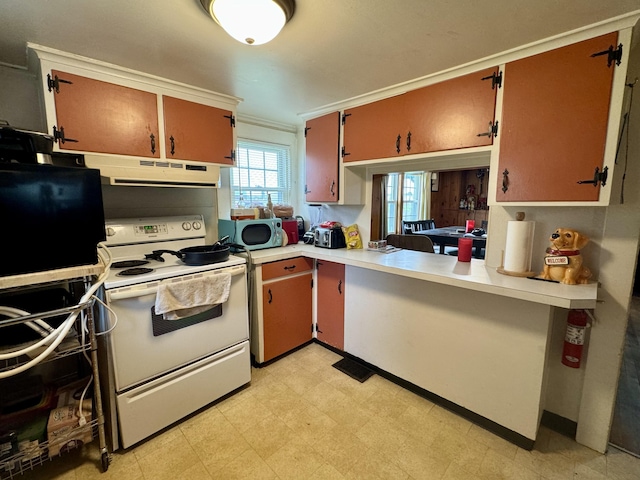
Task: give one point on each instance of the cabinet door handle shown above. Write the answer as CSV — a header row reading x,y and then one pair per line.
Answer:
x,y
409,142
398,143
333,184
270,296
153,143
505,181
173,144
340,287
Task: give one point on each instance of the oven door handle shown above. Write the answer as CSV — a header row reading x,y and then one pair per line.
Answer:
x,y
152,288
131,292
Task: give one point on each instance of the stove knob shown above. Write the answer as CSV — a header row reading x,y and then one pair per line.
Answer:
x,y
110,231
186,226
197,225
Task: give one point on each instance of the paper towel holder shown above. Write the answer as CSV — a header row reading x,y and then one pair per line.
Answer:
x,y
520,217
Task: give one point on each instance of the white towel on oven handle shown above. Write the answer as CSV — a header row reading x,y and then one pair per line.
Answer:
x,y
176,300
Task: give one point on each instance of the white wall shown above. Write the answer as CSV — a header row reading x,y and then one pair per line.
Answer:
x,y
20,99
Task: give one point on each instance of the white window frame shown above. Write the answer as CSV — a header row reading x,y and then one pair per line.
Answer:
x,y
267,166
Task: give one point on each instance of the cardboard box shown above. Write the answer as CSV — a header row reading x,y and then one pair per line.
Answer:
x,y
244,213
64,431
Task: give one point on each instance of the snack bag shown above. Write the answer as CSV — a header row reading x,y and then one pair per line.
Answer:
x,y
352,236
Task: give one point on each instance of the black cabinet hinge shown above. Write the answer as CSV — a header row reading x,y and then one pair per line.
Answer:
x,y
54,83
613,55
344,152
232,156
491,132
496,80
306,129
344,117
232,120
58,135
599,177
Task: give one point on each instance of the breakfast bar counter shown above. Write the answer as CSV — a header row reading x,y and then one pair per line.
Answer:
x,y
443,269
469,338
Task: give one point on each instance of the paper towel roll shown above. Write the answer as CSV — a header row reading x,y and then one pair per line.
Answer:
x,y
519,246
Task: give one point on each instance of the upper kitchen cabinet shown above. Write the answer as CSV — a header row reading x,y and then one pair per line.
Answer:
x,y
556,124
452,114
198,132
373,130
456,113
93,107
96,116
322,158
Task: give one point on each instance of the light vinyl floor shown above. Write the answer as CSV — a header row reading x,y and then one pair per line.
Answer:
x,y
302,419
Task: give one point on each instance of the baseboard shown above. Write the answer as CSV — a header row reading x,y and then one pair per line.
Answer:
x,y
559,424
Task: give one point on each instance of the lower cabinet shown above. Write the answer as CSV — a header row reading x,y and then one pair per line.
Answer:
x,y
330,303
286,305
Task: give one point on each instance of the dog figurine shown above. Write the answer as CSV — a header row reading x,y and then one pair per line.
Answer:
x,y
563,261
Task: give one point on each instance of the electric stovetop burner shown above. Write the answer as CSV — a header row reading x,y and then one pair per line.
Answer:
x,y
134,271
129,263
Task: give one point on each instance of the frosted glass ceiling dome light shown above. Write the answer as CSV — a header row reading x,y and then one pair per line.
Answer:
x,y
252,22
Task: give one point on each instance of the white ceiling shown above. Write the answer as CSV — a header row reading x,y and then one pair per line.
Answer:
x,y
330,51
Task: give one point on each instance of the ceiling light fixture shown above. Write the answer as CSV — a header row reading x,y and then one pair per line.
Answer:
x,y
252,22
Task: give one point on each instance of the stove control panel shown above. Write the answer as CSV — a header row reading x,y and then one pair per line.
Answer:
x,y
159,228
142,230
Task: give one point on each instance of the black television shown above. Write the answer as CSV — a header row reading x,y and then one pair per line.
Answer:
x,y
50,217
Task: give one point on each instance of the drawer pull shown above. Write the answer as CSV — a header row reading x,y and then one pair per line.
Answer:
x,y
291,268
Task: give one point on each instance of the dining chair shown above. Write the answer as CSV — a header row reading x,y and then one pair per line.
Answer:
x,y
411,242
411,226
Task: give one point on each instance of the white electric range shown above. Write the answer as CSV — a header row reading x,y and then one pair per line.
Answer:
x,y
163,370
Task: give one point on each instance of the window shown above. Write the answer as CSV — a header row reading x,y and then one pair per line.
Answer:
x,y
261,169
410,207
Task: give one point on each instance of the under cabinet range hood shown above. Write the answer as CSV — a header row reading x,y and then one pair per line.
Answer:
x,y
149,172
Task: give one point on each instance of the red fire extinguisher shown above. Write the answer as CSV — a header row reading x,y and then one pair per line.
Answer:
x,y
574,338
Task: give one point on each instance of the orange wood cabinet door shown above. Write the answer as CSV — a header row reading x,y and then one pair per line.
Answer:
x,y
373,130
456,113
554,123
287,318
105,118
197,132
330,297
322,158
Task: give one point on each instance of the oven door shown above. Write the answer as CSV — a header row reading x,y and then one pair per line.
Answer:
x,y
142,351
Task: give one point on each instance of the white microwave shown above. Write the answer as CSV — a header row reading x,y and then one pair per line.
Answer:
x,y
253,234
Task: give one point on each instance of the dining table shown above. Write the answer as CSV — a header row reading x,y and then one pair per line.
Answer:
x,y
448,236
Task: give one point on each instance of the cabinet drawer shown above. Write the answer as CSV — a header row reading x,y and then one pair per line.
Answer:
x,y
286,267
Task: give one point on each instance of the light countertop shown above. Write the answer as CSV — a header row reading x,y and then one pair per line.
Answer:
x,y
443,269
